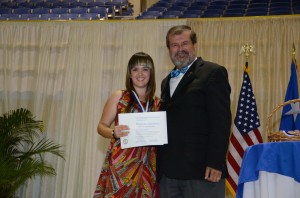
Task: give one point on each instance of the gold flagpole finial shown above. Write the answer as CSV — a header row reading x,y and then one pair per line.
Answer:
x,y
293,51
247,49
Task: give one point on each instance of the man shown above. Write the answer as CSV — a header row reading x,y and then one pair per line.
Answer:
x,y
193,163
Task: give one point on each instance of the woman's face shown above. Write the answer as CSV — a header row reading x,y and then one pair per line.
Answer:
x,y
140,76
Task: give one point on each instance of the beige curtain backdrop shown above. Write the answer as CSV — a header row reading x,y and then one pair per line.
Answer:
x,y
63,72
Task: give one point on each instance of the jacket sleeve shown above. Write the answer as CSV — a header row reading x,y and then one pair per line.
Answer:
x,y
219,112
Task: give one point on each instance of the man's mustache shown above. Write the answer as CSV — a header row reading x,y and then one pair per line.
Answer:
x,y
181,53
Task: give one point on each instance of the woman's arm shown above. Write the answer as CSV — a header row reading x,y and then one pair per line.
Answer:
x,y
108,116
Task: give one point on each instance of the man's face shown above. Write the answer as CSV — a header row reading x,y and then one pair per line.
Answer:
x,y
182,51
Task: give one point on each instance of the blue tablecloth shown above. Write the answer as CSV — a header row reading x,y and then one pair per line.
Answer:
x,y
276,157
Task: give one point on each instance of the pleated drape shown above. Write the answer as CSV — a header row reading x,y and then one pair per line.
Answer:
x,y
63,72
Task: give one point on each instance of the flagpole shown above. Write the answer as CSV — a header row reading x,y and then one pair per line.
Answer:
x,y
294,55
293,52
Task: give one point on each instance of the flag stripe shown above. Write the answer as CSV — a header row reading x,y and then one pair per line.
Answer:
x,y
258,136
240,138
248,139
237,147
234,165
232,183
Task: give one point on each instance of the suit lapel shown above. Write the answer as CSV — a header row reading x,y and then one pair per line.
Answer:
x,y
166,89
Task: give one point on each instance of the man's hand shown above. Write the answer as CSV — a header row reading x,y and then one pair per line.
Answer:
x,y
212,175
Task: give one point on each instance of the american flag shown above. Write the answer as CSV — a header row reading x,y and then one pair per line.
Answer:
x,y
246,131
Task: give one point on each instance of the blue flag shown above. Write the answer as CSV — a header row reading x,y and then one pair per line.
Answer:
x,y
290,118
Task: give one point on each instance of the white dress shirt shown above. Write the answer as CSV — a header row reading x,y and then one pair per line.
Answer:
x,y
175,80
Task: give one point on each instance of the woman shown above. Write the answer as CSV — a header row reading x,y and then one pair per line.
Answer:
x,y
129,172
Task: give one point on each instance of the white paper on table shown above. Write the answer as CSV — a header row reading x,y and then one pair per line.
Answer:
x,y
147,128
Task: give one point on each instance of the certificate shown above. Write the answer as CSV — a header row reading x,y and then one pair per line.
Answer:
x,y
148,128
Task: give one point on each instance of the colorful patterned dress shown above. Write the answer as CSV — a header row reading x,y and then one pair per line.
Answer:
x,y
131,172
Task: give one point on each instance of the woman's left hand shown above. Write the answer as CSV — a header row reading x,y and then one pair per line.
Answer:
x,y
121,131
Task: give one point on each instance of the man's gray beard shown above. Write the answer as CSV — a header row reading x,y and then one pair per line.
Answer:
x,y
181,64
185,62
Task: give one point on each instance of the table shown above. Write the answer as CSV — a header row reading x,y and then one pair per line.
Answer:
x,y
270,170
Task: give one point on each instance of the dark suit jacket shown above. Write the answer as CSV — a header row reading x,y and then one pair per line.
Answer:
x,y
198,122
